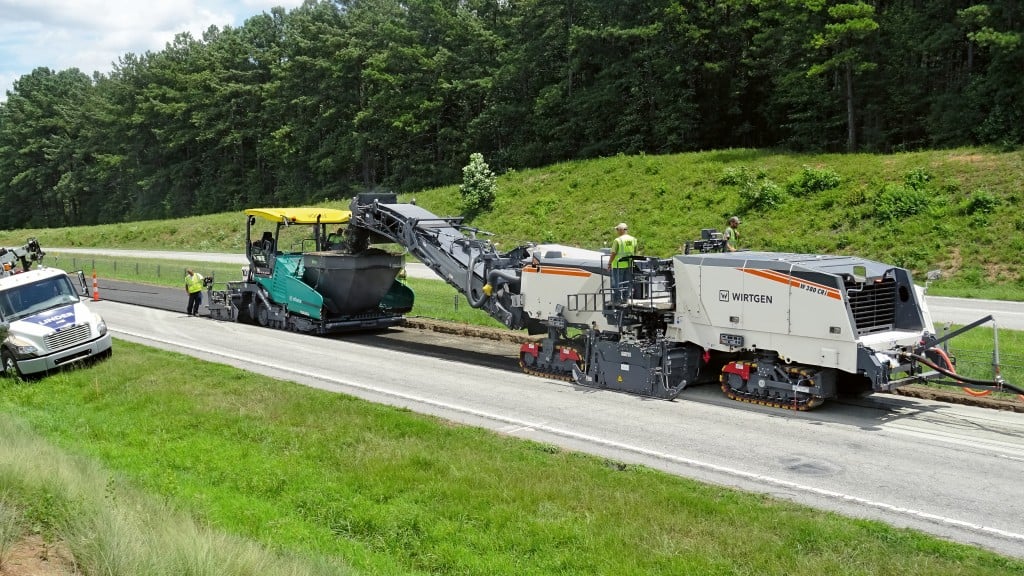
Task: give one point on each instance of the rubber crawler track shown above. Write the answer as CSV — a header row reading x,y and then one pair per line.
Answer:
x,y
808,404
549,375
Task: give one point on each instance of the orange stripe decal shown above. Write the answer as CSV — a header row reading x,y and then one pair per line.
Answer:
x,y
794,282
557,271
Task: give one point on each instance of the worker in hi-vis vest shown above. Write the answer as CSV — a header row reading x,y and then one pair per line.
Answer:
x,y
620,263
194,287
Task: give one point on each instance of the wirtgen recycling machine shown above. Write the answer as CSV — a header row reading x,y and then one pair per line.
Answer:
x,y
785,330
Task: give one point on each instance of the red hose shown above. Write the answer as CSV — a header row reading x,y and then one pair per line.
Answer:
x,y
945,358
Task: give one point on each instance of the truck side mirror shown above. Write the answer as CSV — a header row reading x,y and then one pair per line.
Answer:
x,y
930,277
85,285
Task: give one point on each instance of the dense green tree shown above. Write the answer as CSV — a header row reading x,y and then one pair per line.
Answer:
x,y
995,32
843,43
340,95
40,161
313,98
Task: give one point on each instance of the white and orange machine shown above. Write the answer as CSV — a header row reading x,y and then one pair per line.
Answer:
x,y
785,330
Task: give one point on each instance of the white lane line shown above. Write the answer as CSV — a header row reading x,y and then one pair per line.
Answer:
x,y
605,442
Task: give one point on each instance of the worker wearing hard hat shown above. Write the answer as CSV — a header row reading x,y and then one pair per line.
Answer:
x,y
732,233
620,264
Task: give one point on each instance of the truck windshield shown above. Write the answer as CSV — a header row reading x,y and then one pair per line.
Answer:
x,y
28,299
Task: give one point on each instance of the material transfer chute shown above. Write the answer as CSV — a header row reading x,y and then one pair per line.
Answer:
x,y
489,280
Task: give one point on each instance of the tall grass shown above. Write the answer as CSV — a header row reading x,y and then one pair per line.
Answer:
x,y
111,527
11,527
240,463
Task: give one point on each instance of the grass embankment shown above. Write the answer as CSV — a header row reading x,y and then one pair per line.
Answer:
x,y
955,210
250,475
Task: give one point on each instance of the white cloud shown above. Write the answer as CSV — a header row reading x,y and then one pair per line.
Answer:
x,y
92,34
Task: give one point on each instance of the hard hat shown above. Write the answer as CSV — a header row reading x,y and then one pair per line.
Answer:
x,y
622,226
735,219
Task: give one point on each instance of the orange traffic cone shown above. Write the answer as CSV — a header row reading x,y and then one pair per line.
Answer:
x,y
95,288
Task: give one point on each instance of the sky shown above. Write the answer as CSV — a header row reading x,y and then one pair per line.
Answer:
x,y
92,34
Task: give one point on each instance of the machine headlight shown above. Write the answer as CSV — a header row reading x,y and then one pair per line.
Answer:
x,y
101,326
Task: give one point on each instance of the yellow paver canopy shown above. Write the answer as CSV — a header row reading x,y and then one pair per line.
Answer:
x,y
302,215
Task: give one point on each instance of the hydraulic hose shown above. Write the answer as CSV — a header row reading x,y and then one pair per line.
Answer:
x,y
945,358
506,276
949,364
469,284
962,379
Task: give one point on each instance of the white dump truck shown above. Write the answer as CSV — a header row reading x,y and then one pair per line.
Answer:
x,y
44,324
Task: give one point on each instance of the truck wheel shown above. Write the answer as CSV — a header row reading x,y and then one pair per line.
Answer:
x,y
10,367
263,316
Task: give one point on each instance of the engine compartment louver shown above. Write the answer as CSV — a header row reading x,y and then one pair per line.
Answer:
x,y
873,305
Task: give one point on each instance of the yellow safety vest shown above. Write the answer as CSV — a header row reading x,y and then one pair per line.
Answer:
x,y
194,283
624,246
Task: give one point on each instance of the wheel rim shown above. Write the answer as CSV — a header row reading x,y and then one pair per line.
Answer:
x,y
10,367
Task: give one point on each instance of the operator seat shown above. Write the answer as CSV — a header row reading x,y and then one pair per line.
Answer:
x,y
267,242
262,254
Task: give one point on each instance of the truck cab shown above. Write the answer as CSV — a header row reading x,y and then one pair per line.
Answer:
x,y
45,324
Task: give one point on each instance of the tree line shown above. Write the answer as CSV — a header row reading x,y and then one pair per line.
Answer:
x,y
316,102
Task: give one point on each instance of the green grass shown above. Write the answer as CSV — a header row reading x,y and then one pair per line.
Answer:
x,y
435,299
159,272
965,221
320,482
111,527
323,478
